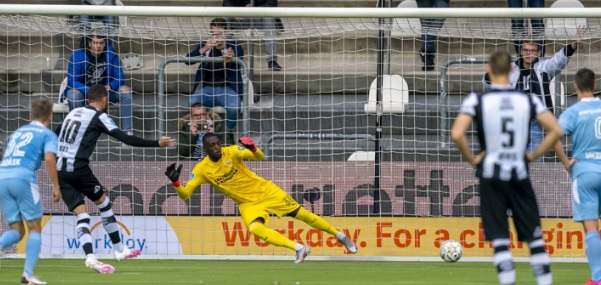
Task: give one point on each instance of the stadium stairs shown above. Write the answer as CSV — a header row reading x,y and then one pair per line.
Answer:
x,y
322,88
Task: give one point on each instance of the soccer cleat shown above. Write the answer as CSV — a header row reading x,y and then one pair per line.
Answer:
x,y
349,244
126,254
31,280
591,282
301,254
100,267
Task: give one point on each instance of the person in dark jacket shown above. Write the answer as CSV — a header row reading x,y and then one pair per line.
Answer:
x,y
219,83
193,126
269,24
98,63
533,74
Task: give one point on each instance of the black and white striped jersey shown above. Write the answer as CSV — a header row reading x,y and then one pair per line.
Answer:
x,y
503,117
79,133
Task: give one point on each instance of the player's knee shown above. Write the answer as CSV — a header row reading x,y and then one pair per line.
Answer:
x,y
256,228
34,226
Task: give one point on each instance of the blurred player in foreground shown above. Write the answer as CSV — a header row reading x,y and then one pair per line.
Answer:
x,y
224,169
582,121
503,115
77,139
19,190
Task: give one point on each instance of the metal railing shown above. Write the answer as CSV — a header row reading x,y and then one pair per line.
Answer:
x,y
444,105
162,96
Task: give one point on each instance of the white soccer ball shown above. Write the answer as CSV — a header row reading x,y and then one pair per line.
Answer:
x,y
451,251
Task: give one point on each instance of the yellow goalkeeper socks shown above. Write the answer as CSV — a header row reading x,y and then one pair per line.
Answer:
x,y
270,236
315,221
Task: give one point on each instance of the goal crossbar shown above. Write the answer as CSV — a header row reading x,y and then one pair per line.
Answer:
x,y
7,9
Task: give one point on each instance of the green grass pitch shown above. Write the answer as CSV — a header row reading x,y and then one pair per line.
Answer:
x,y
71,271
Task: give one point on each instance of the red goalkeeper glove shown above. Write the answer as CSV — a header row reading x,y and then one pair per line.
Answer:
x,y
248,143
173,174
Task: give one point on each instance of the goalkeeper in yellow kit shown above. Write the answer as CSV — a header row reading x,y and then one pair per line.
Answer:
x,y
224,169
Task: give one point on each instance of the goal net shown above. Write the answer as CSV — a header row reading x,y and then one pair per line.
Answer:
x,y
385,174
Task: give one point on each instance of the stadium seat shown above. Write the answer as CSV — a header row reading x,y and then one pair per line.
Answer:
x,y
554,93
251,95
61,107
564,28
395,95
122,19
131,61
406,27
362,156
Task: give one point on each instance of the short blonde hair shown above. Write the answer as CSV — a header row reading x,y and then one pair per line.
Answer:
x,y
41,109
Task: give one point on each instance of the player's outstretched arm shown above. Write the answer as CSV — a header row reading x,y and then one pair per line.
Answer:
x,y
50,159
255,152
140,142
183,191
166,141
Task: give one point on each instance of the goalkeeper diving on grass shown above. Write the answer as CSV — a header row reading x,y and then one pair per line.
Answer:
x,y
224,169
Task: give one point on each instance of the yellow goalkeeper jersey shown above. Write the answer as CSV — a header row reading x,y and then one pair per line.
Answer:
x,y
229,175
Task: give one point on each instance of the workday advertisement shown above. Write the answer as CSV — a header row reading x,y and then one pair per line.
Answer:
x,y
374,236
151,235
421,204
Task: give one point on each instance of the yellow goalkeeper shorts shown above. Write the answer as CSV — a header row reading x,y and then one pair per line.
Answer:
x,y
277,202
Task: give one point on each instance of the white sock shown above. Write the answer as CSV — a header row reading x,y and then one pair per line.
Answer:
x,y
340,235
92,257
298,247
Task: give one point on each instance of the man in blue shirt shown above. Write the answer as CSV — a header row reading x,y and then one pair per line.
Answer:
x,y
19,190
98,63
582,121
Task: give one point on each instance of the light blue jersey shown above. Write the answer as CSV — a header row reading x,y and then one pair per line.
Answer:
x,y
25,151
582,121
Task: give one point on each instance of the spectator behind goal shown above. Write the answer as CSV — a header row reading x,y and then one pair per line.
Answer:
x,y
98,63
219,83
193,126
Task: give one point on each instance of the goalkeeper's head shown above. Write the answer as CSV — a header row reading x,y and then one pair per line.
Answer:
x,y
499,66
212,146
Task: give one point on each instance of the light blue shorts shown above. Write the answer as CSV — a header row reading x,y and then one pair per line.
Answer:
x,y
20,200
586,190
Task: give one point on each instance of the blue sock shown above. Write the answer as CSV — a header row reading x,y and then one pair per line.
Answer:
x,y
34,245
593,254
9,238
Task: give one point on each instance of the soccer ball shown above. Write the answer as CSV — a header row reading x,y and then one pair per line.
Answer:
x,y
451,251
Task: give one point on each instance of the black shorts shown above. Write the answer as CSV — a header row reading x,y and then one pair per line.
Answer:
x,y
496,197
75,185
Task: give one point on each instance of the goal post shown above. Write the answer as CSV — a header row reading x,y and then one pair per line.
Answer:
x,y
316,120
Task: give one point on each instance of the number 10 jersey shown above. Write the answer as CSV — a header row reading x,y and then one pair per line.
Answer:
x,y
78,135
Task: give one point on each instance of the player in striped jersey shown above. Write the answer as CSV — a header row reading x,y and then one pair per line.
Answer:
x,y
503,118
77,138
